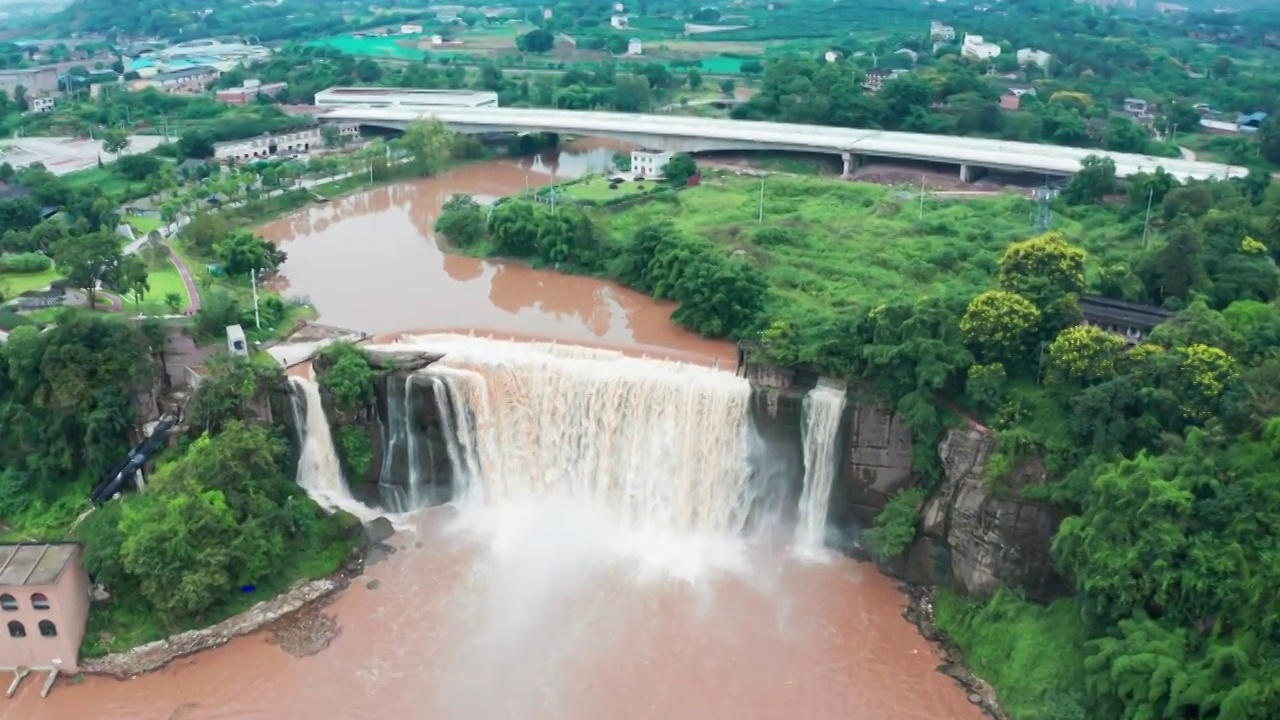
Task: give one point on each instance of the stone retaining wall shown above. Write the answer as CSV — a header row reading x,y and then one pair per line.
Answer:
x,y
155,655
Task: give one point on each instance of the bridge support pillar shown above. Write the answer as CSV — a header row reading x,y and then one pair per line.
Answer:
x,y
966,174
850,164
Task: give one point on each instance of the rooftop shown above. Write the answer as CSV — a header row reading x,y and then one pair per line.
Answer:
x,y
35,564
196,71
1096,307
385,92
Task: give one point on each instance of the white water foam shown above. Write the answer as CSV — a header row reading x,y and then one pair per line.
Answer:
x,y
319,472
822,410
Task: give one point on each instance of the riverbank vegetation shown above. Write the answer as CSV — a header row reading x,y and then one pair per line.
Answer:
x,y
1155,453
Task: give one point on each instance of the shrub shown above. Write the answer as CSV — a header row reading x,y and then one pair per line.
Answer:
x,y
24,263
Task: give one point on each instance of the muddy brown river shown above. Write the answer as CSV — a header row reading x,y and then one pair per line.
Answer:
x,y
453,629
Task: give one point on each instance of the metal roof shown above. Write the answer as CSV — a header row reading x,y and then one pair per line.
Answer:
x,y
1097,307
34,564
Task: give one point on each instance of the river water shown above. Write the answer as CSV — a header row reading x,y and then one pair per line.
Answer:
x,y
542,626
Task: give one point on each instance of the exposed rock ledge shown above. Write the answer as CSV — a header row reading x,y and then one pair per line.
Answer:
x,y
155,655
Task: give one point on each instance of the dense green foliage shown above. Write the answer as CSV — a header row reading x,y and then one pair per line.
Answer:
x,y
344,373
895,526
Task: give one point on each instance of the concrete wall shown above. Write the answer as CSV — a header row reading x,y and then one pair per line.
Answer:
x,y
68,611
34,79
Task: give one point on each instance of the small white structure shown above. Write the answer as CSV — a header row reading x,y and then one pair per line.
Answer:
x,y
1029,56
40,104
938,31
410,29
619,22
634,47
831,56
236,342
975,47
618,7
649,164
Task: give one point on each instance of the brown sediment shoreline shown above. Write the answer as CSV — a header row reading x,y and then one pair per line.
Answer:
x,y
919,612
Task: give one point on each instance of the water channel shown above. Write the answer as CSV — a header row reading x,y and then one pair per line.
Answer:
x,y
535,621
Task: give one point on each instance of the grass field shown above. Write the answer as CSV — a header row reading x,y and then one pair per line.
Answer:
x,y
15,284
829,245
142,224
165,281
597,188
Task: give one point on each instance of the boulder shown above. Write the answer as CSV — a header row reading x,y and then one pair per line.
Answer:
x,y
378,530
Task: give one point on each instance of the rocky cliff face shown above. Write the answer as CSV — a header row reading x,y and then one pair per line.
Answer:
x,y
976,539
971,537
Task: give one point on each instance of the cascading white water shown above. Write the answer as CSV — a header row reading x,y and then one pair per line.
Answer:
x,y
662,447
319,472
821,411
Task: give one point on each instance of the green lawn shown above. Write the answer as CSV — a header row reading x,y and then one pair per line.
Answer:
x,y
12,284
597,188
142,224
165,281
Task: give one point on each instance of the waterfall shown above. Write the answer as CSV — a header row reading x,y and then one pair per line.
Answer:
x,y
822,410
658,445
319,472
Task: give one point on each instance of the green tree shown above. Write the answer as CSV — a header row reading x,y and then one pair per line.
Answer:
x,y
115,141
1095,180
90,261
985,386
694,79
1000,325
1043,269
429,143
1269,139
242,252
462,221
1085,354
346,374
680,169
536,41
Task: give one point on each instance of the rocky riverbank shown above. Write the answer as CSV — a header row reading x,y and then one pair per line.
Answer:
x,y
295,617
919,612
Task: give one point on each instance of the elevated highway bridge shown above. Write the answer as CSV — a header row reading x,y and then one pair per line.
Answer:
x,y
692,134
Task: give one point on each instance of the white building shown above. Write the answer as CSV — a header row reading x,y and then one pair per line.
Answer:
x,y
236,342
336,97
619,22
634,47
1028,56
649,164
831,56
938,31
40,104
410,29
267,146
975,47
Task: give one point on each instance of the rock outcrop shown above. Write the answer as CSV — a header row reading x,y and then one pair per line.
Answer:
x,y
975,538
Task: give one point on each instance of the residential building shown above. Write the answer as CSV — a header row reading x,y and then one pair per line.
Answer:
x,y
251,90
410,29
40,103
619,22
1010,101
938,31
649,164
38,79
274,145
1137,107
1030,56
635,47
44,603
876,79
190,80
975,47
1132,321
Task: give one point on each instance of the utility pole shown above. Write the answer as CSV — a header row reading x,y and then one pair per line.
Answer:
x,y
922,198
253,280
761,218
1146,225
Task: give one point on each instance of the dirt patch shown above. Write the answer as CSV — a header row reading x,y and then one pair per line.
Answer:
x,y
305,632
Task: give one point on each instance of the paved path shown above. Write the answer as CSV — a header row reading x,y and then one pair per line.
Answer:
x,y
190,282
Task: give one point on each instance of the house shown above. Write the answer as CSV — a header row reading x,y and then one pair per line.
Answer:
x,y
249,91
194,79
1249,123
1132,321
1030,56
1010,101
975,47
410,29
619,22
39,104
1136,107
634,47
938,31
272,145
649,164
38,79
44,604
876,79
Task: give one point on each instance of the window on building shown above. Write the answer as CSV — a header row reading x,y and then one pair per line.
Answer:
x,y
48,629
39,601
8,602
16,629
